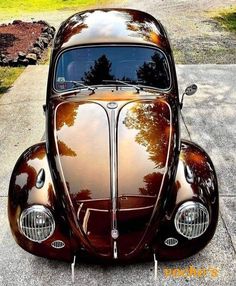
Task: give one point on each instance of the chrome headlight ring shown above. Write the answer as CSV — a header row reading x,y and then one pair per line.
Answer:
x,y
191,219
37,223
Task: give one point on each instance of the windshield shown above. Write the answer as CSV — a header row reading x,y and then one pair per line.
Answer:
x,y
95,65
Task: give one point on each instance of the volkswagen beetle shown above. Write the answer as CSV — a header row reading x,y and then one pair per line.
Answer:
x,y
113,180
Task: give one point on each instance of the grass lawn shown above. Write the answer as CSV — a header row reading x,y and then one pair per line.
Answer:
x,y
20,7
7,77
226,17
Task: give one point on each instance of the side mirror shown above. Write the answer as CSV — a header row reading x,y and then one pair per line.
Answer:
x,y
190,90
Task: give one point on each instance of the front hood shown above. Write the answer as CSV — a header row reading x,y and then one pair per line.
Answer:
x,y
115,160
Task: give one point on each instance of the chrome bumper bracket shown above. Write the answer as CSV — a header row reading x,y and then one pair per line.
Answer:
x,y
155,266
73,270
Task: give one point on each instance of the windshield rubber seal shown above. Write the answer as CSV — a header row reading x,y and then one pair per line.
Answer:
x,y
111,45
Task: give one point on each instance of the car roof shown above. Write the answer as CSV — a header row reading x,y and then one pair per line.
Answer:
x,y
102,26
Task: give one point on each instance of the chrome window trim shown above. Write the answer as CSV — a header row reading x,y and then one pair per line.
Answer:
x,y
111,45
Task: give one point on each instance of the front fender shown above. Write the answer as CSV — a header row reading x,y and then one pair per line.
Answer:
x,y
196,177
24,193
195,181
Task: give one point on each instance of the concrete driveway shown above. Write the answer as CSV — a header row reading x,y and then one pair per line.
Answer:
x,y
210,115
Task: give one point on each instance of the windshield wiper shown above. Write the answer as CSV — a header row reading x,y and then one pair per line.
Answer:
x,y
77,83
123,82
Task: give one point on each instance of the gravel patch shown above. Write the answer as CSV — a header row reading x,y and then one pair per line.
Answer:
x,y
196,38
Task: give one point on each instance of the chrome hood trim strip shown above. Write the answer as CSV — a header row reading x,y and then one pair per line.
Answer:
x,y
112,114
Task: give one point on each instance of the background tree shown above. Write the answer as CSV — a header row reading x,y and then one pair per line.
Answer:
x,y
101,70
153,73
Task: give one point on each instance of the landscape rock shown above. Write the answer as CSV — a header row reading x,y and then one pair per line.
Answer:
x,y
37,51
32,58
16,22
14,63
33,42
21,55
45,41
49,30
39,45
10,62
50,37
5,62
45,29
23,62
45,35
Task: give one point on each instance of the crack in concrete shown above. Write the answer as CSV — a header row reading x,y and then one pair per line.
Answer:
x,y
226,228
227,195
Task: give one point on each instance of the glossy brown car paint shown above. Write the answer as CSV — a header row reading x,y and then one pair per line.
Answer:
x,y
75,164
24,193
111,26
154,173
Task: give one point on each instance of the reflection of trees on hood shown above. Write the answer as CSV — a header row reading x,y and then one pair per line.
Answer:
x,y
152,121
74,26
152,182
81,195
31,172
145,27
64,150
101,70
66,114
38,152
153,126
84,195
77,29
152,73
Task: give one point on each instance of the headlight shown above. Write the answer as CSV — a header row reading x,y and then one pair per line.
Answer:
x,y
191,219
37,223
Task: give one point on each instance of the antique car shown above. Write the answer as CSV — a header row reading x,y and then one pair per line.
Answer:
x,y
113,180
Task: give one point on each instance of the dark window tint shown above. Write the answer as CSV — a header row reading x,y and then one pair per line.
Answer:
x,y
93,65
